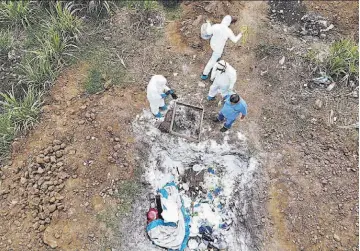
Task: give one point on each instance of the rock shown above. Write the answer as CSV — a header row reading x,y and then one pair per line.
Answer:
x,y
107,38
336,237
40,170
117,140
318,104
52,208
52,159
93,116
62,146
39,160
46,159
81,122
59,154
88,137
56,142
109,129
42,228
56,148
49,239
52,199
87,115
57,236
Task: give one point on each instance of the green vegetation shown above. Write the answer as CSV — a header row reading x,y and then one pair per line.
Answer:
x,y
15,13
18,115
22,113
340,63
94,81
343,61
6,42
64,20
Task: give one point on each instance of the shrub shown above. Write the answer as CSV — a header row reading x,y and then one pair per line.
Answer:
x,y
343,60
94,83
15,13
6,42
23,113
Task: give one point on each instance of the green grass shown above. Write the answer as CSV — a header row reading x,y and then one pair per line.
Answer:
x,y
18,115
16,13
7,134
6,42
23,112
94,82
343,61
63,19
37,71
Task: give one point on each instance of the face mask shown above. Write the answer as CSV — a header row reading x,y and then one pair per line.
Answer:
x,y
223,69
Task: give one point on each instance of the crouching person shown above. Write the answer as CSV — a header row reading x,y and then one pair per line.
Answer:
x,y
157,91
234,106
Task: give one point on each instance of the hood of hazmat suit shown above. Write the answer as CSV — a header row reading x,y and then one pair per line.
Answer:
x,y
220,34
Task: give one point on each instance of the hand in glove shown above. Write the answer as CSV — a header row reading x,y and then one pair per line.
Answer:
x,y
163,95
174,96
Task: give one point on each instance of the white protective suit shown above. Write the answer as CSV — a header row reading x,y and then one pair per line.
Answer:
x,y
155,88
223,81
220,34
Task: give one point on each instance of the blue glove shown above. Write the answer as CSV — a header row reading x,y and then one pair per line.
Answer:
x,y
169,92
163,95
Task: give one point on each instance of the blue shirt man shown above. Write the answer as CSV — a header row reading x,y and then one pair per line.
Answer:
x,y
233,107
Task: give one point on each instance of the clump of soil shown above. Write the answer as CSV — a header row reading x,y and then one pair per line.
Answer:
x,y
187,121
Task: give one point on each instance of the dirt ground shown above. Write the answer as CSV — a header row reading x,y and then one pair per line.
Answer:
x,y
306,197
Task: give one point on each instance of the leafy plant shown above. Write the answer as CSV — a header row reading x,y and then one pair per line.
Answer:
x,y
64,19
7,133
23,113
96,7
15,12
54,46
343,61
94,83
37,71
6,42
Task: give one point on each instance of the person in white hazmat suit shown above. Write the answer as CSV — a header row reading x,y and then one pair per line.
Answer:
x,y
223,76
157,91
220,34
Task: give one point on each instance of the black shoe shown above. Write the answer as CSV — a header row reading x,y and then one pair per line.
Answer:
x,y
224,129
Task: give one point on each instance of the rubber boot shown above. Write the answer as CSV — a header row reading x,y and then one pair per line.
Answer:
x,y
204,77
163,108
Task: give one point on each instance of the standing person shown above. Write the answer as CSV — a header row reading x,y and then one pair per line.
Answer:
x,y
233,107
223,76
157,91
220,34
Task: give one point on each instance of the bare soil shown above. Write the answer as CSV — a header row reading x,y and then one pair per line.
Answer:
x,y
306,194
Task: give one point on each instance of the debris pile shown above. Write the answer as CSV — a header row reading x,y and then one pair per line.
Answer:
x,y
39,185
314,25
207,174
